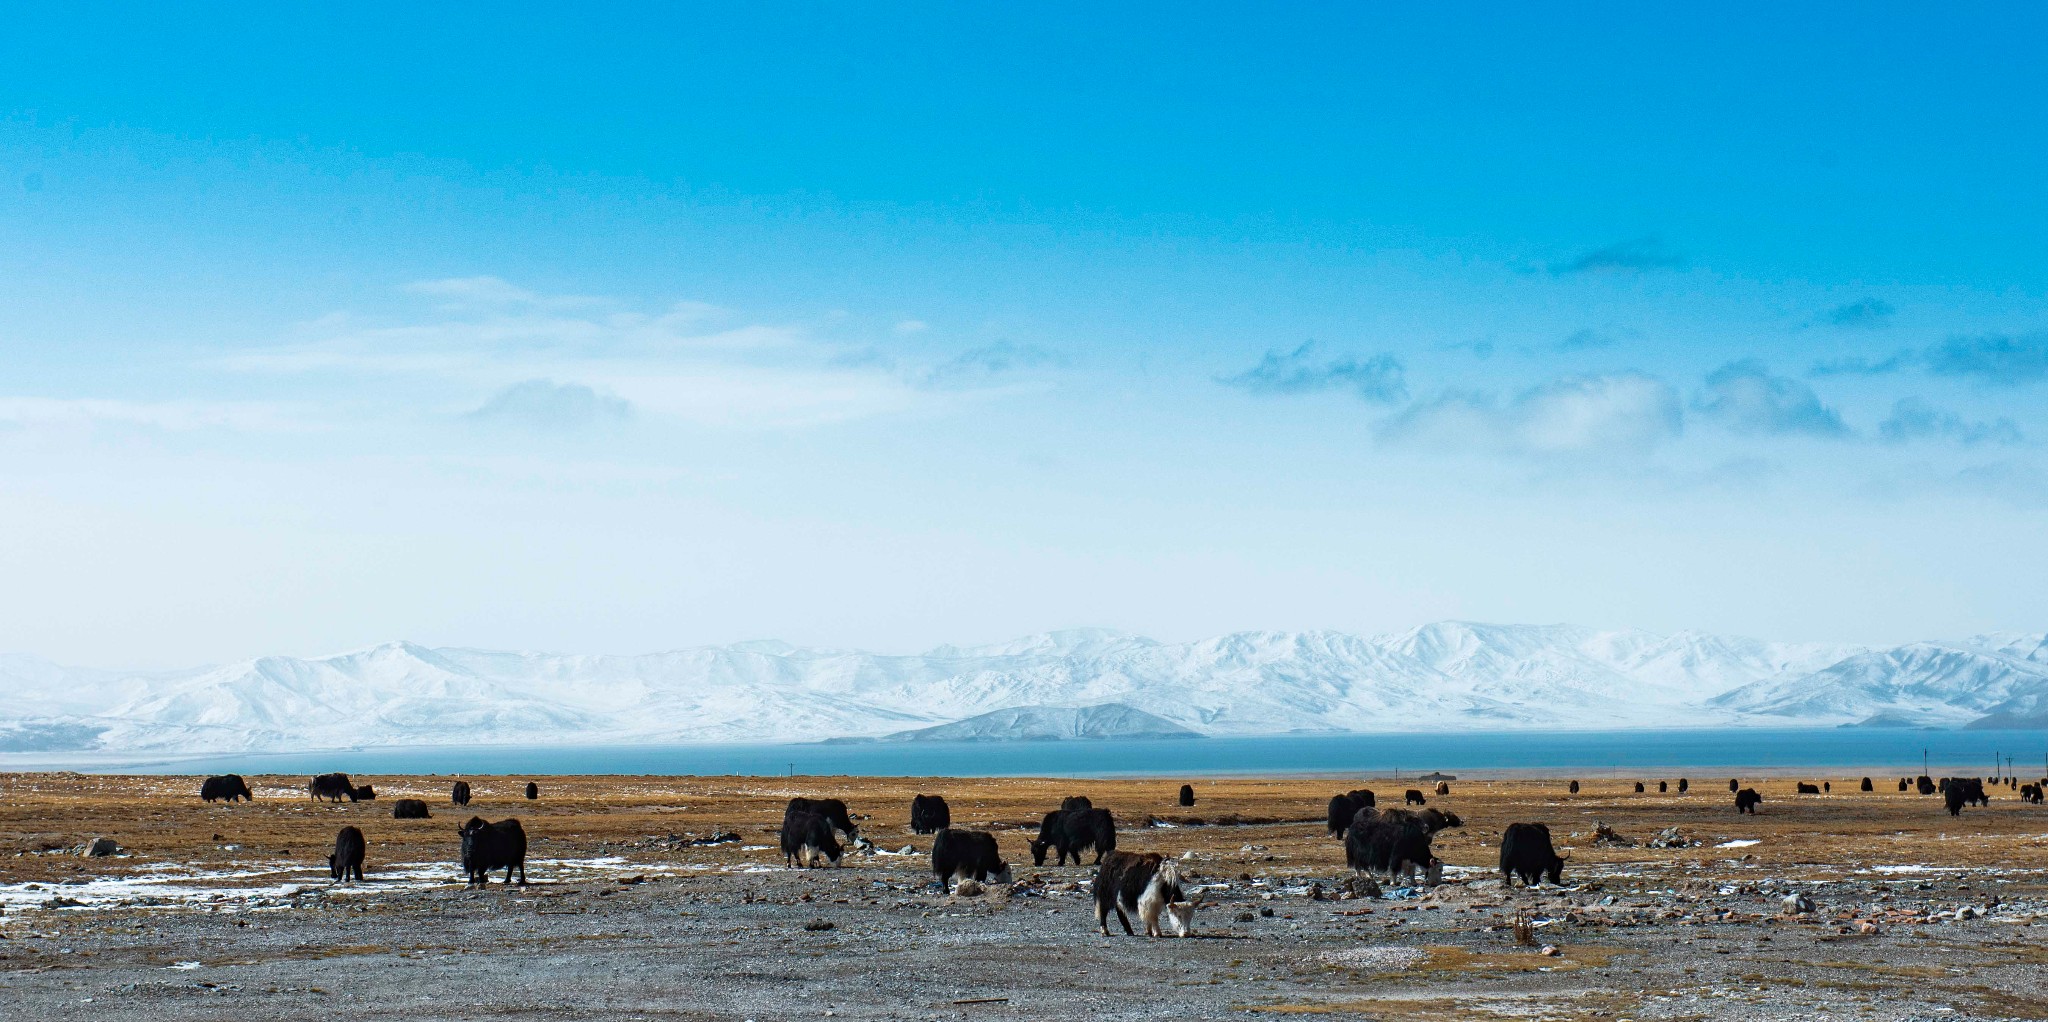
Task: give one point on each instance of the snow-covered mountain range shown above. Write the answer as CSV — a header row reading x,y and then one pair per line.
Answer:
x,y
1449,675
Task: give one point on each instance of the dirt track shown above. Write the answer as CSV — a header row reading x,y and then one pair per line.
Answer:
x,y
219,911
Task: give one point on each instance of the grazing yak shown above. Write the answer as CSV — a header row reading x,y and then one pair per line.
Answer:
x,y
833,810
1925,785
1443,787
332,787
1575,787
1867,786
1639,787
1412,797
1958,792
929,814
1148,884
227,786
1683,784
1072,831
1905,785
2030,793
409,809
1437,819
1187,796
364,794
347,861
1394,843
968,855
1733,785
1808,789
1747,800
1072,802
532,791
1663,787
460,793
1526,852
488,846
806,837
1344,807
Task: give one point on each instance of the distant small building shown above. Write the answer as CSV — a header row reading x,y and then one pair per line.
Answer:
x,y
1433,776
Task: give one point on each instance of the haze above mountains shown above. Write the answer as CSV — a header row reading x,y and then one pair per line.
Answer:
x,y
1079,683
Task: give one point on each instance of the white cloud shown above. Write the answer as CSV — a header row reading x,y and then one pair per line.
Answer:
x,y
547,405
172,416
1623,414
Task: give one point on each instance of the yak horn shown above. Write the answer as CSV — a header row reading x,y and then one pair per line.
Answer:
x,y
1567,856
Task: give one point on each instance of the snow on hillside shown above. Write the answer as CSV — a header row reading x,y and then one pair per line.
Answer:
x,y
1049,723
1448,675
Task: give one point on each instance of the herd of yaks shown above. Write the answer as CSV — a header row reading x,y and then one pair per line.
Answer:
x,y
1394,843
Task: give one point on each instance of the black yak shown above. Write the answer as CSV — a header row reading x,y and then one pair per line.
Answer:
x,y
347,861
409,809
227,786
460,793
1663,787
1808,789
363,794
807,836
1905,785
1958,792
1683,784
1925,785
2030,793
1148,884
1344,807
1394,843
929,814
1867,786
968,855
1071,831
1437,819
832,809
1639,787
332,787
1413,797
1526,852
1747,800
488,846
1075,802
1733,785
1187,796
1575,787
532,791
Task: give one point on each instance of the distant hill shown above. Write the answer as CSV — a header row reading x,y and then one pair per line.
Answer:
x,y
1049,723
1448,676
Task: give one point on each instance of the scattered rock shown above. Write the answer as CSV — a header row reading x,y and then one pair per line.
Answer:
x,y
100,847
1796,905
820,925
968,889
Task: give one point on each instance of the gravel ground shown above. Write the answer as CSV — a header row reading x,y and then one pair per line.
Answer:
x,y
615,926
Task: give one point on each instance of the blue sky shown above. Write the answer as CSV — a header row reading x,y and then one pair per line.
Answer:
x,y
633,328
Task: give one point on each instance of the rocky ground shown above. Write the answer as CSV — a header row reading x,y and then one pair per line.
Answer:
x,y
1842,905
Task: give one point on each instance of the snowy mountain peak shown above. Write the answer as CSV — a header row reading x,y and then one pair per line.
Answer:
x,y
1446,675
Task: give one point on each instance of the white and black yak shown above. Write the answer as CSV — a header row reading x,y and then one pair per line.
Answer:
x,y
1145,883
832,809
968,855
807,837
